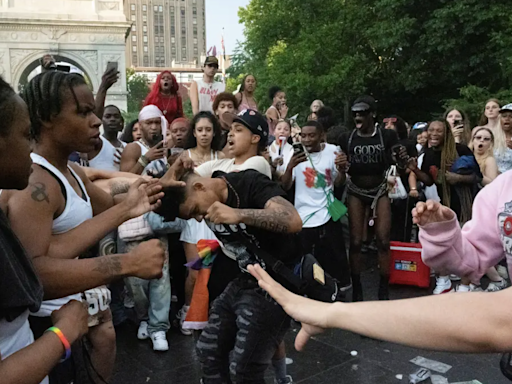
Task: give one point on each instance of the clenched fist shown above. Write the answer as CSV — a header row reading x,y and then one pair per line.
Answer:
x,y
219,213
148,259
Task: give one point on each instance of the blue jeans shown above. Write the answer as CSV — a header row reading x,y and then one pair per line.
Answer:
x,y
244,330
152,297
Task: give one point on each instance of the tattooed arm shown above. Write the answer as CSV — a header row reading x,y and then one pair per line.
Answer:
x,y
278,215
31,213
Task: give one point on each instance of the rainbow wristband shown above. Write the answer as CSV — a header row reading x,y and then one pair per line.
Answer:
x,y
63,340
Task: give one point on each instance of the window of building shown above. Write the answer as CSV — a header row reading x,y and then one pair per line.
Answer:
x,y
134,28
145,28
144,18
134,59
190,77
155,8
182,12
134,38
146,61
160,8
195,31
173,40
183,31
145,39
194,21
134,48
173,30
144,7
133,7
196,51
184,58
145,48
133,17
194,11
173,49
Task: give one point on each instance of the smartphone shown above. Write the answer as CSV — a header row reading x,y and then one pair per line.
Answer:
x,y
298,148
402,163
157,137
112,65
176,151
457,123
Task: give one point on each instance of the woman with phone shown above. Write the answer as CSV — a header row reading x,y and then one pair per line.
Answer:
x,y
368,157
165,95
456,190
278,110
459,124
401,223
137,155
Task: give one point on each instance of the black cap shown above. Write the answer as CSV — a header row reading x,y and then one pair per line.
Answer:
x,y
251,119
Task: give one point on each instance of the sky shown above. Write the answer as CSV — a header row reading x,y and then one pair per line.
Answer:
x,y
223,14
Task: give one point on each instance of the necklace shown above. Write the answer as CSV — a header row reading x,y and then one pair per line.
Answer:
x,y
144,144
234,191
166,106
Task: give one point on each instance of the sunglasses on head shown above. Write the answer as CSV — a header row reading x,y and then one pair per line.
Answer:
x,y
390,120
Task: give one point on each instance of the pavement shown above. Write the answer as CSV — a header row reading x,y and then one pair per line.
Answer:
x,y
326,360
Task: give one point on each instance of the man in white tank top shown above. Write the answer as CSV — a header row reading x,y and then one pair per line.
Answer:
x,y
204,91
107,155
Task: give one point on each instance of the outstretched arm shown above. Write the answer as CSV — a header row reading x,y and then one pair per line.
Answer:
x,y
427,322
278,215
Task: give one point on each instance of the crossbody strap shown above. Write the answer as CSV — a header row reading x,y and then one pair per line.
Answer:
x,y
274,264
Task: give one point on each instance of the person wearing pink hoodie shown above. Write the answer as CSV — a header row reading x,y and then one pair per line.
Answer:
x,y
430,322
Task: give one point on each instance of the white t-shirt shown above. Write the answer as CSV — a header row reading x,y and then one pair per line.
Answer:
x,y
310,198
105,158
194,230
286,154
258,163
207,92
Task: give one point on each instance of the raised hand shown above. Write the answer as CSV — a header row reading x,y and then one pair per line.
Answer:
x,y
312,314
142,197
109,78
148,259
431,212
297,159
219,213
156,152
72,319
171,178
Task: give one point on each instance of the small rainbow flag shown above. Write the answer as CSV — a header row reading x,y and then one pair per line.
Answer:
x,y
207,251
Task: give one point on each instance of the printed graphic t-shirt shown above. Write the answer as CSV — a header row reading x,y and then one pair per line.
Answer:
x,y
253,191
310,183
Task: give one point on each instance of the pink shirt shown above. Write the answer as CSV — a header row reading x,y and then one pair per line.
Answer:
x,y
482,242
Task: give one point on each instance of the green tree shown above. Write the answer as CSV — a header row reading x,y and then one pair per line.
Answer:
x,y
138,89
412,55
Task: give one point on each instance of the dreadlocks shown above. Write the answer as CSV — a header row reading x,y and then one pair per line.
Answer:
x,y
45,94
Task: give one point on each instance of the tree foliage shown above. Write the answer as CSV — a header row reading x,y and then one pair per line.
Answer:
x,y
412,55
138,89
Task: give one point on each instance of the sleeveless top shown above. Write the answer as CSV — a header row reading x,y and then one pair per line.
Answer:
x,y
213,156
76,211
143,148
244,104
271,123
207,92
105,158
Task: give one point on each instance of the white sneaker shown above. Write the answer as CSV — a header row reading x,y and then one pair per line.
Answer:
x,y
182,315
443,285
142,333
495,286
454,277
475,288
287,380
502,271
463,288
159,341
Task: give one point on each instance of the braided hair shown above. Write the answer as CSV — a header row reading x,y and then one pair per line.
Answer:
x,y
45,95
7,107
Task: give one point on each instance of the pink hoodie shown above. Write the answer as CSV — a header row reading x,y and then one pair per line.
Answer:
x,y
482,242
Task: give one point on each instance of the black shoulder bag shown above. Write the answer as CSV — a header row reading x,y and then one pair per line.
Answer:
x,y
307,277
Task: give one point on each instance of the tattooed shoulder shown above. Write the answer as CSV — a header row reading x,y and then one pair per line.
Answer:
x,y
39,193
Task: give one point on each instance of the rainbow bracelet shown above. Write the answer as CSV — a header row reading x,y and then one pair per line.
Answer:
x,y
63,340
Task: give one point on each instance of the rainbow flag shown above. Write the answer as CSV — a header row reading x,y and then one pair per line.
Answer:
x,y
207,251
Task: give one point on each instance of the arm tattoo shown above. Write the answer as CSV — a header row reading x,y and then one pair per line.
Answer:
x,y
274,217
39,193
108,265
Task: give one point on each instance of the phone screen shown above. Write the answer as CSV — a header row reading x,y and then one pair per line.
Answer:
x,y
298,148
112,65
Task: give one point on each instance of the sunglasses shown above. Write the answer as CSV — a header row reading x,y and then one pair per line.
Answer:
x,y
390,120
360,113
482,138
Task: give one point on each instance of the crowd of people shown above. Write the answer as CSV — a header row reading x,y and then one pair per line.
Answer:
x,y
103,227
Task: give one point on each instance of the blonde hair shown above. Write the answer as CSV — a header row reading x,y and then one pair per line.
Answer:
x,y
500,140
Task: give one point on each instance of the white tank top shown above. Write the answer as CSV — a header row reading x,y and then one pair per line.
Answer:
x,y
76,211
143,148
105,158
207,93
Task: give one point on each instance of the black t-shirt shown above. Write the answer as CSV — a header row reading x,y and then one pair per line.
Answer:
x,y
412,152
368,156
432,164
248,190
